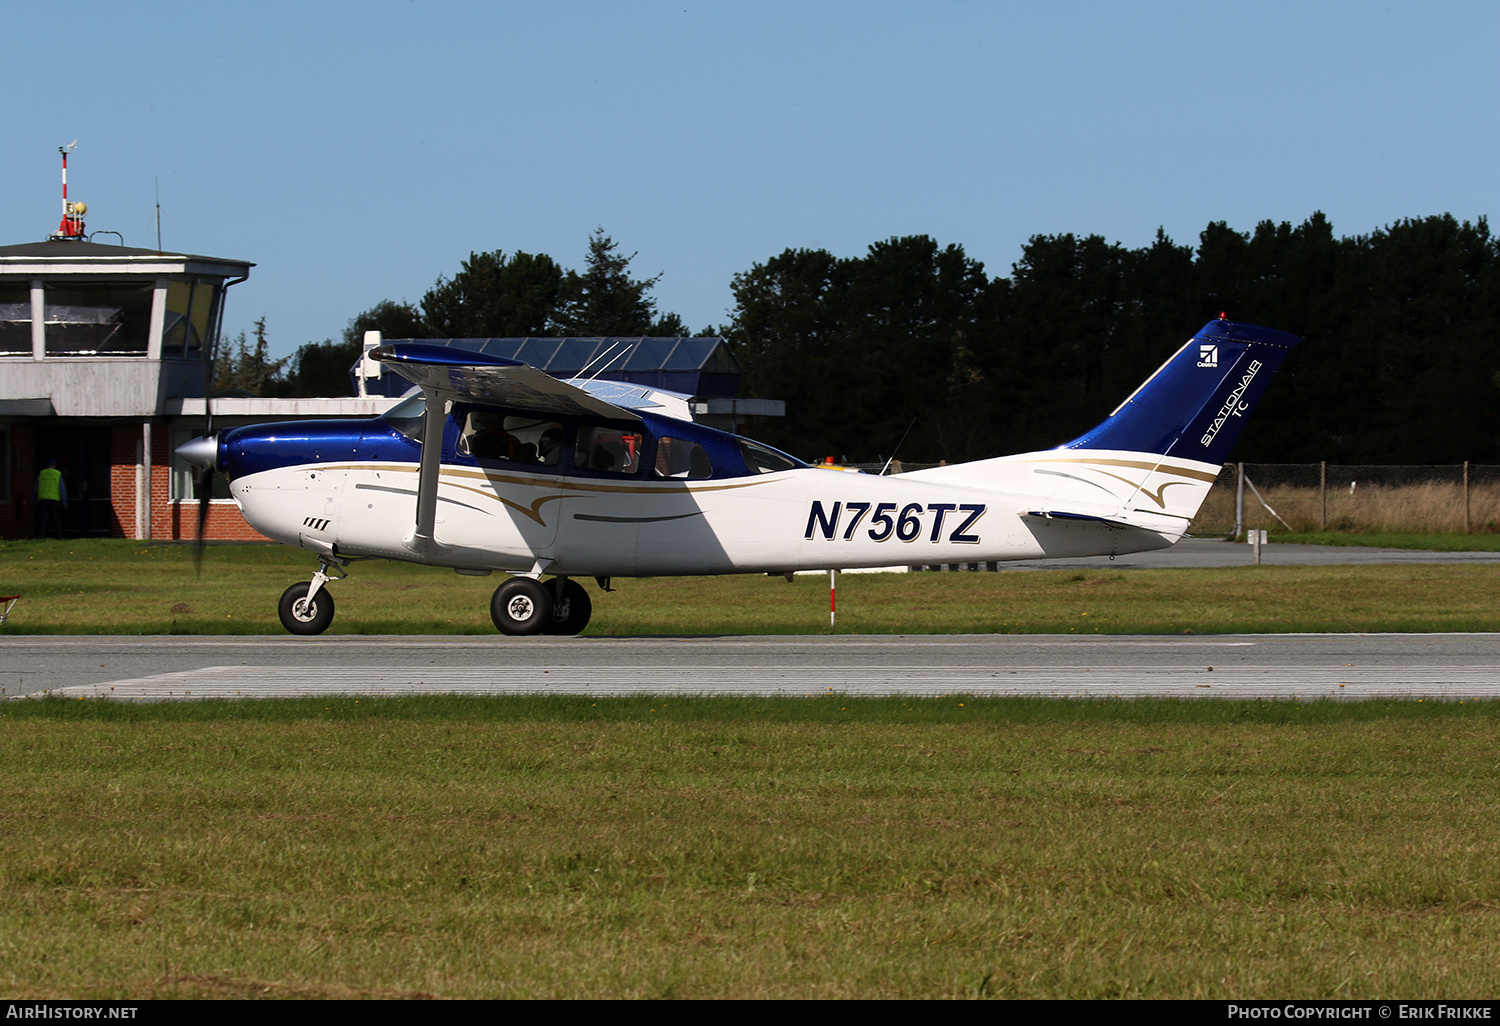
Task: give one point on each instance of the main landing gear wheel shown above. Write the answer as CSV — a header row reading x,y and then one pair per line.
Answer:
x,y
300,616
521,606
571,607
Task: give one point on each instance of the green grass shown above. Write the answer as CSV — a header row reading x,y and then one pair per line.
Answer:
x,y
119,587
828,847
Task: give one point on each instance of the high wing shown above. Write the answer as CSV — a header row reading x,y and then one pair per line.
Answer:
x,y
494,380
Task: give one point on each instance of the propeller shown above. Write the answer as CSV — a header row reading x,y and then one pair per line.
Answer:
x,y
202,452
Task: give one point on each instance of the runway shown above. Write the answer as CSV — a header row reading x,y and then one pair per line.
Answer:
x,y
1284,666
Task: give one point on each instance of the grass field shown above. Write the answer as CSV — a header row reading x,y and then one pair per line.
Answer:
x,y
750,848
120,587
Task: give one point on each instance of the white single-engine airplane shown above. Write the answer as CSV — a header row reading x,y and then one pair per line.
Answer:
x,y
496,465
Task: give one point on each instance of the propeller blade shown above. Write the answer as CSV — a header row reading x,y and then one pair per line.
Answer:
x,y
202,452
205,452
205,492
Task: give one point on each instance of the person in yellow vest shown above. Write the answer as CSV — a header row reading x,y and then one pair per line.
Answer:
x,y
51,500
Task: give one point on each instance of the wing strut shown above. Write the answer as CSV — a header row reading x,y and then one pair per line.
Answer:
x,y
421,541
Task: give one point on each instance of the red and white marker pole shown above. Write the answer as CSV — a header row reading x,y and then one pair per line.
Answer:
x,y
833,604
71,226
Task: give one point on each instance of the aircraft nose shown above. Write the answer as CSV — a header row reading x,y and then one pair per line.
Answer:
x,y
201,452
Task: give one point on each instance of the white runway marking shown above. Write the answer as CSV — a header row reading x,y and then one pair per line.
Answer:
x,y
1240,683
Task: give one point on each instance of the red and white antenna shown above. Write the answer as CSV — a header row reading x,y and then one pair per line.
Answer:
x,y
71,226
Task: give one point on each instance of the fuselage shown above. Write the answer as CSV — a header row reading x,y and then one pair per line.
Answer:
x,y
658,496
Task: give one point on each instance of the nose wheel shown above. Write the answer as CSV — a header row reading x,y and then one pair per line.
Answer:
x,y
302,615
306,607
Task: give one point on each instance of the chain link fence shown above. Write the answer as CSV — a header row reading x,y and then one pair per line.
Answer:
x,y
1307,497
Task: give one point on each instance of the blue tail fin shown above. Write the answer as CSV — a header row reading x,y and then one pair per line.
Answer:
x,y
1196,405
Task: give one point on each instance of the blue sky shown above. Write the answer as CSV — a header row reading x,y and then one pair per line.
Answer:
x,y
355,151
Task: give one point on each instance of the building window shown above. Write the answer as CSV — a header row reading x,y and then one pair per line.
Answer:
x,y
98,319
15,319
191,308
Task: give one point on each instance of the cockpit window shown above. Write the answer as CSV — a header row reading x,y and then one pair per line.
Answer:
x,y
407,416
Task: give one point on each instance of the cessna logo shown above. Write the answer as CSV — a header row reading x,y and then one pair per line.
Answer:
x,y
1232,407
1208,355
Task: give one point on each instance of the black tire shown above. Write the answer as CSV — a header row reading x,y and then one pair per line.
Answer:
x,y
571,607
521,606
301,617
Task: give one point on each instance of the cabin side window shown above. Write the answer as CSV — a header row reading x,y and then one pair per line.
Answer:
x,y
489,434
610,450
762,459
680,458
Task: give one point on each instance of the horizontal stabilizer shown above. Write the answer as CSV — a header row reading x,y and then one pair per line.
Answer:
x,y
1060,515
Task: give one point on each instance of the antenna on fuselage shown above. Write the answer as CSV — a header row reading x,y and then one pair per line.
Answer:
x,y
898,447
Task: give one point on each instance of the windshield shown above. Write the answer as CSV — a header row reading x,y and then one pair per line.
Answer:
x,y
407,416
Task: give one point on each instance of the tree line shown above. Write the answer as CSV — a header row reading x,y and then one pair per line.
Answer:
x,y
493,295
1401,363
914,350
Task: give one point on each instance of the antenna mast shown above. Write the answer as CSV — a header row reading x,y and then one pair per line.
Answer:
x,y
71,226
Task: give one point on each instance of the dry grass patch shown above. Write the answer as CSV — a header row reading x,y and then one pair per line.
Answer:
x,y
1433,507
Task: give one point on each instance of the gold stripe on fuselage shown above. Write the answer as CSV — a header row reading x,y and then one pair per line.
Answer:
x,y
454,477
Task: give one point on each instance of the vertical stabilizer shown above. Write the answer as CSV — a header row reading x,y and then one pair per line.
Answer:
x,y
1195,406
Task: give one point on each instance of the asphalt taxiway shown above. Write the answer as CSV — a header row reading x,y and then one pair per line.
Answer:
x,y
1346,666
